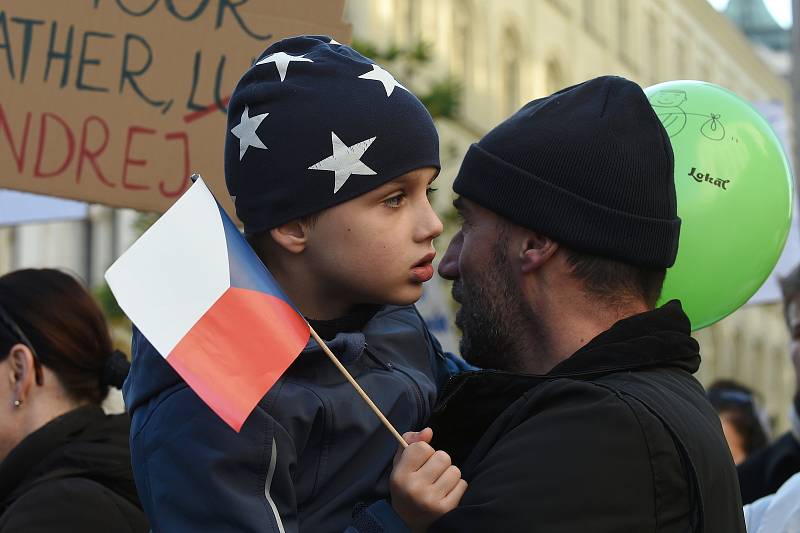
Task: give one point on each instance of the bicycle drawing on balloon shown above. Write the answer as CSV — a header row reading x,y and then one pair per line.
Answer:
x,y
667,105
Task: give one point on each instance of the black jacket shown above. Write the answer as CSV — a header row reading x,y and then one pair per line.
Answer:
x,y
767,469
617,438
71,475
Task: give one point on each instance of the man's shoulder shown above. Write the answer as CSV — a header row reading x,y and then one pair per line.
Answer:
x,y
563,436
584,421
567,401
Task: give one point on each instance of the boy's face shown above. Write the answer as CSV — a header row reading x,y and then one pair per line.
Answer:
x,y
378,247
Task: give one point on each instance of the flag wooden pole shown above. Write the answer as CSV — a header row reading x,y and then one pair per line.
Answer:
x,y
358,388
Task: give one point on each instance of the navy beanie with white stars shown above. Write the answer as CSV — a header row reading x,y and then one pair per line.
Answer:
x,y
313,124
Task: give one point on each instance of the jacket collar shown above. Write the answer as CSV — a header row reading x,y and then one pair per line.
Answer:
x,y
654,338
471,401
36,446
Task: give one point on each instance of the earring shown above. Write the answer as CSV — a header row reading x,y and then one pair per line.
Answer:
x,y
18,403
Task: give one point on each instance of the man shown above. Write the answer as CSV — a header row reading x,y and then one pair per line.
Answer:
x,y
767,469
591,419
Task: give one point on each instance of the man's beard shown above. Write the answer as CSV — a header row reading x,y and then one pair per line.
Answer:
x,y
492,315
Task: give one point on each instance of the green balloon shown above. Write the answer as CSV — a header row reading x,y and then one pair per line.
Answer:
x,y
734,190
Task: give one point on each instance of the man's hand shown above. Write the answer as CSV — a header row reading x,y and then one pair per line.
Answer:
x,y
424,483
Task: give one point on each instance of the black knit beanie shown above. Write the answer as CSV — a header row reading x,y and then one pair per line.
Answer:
x,y
313,124
590,166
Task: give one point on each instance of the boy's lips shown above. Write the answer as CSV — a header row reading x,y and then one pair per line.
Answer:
x,y
422,270
422,273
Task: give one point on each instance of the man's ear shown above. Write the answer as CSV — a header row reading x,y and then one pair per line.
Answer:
x,y
21,372
535,250
292,236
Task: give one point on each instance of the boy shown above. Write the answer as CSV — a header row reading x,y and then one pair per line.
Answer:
x,y
329,161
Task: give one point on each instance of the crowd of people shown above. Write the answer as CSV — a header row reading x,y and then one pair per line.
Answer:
x,y
572,405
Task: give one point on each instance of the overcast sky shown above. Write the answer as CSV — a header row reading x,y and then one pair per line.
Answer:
x,y
780,9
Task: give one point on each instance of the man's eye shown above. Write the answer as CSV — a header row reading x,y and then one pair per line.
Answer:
x,y
394,201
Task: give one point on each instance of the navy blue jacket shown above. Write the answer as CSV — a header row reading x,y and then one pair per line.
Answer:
x,y
309,452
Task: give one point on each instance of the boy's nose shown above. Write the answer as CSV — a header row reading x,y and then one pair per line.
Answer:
x,y
448,266
430,225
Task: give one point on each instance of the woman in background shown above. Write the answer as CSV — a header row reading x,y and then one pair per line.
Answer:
x,y
64,463
741,420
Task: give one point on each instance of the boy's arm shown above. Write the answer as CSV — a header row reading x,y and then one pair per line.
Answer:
x,y
379,517
424,486
203,476
194,473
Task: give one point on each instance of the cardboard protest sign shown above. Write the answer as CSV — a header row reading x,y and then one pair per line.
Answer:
x,y
119,101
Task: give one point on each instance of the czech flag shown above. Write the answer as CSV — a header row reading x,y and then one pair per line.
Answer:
x,y
206,302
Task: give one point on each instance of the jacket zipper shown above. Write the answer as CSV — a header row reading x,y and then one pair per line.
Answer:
x,y
421,410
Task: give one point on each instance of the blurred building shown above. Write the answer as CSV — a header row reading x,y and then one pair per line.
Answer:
x,y
85,247
507,52
771,42
503,53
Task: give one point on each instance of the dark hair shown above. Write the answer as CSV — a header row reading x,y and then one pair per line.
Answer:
x,y
615,281
66,328
738,402
790,287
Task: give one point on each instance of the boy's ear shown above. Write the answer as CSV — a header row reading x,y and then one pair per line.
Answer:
x,y
535,250
292,236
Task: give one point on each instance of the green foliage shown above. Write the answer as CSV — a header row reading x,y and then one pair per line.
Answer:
x,y
105,298
443,98
144,221
102,294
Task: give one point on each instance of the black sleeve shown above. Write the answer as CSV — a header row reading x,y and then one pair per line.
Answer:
x,y
578,461
767,469
72,504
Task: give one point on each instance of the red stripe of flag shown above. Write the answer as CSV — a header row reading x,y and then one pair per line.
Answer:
x,y
238,349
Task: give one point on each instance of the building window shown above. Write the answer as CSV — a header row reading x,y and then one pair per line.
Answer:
x,y
463,39
681,61
704,67
555,77
590,18
408,21
623,26
511,72
561,5
654,35
414,23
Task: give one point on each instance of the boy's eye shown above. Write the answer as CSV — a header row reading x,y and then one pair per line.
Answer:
x,y
394,201
430,191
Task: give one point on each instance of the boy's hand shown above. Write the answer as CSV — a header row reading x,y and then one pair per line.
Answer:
x,y
424,483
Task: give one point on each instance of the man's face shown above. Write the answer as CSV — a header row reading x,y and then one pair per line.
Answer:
x,y
377,247
492,306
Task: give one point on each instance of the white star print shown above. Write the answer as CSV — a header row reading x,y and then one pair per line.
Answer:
x,y
246,131
345,161
334,41
388,81
282,60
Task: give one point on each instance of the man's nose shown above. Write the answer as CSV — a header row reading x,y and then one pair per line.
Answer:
x,y
448,266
